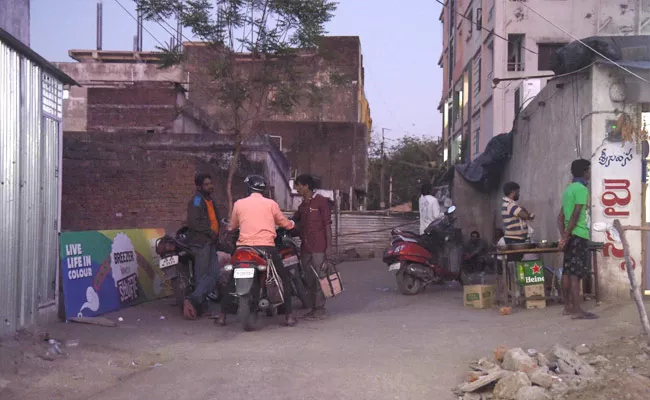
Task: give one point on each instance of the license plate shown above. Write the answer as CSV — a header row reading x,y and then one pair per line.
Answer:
x,y
168,262
244,273
289,261
394,267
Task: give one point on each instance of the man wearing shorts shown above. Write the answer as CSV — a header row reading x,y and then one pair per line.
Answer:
x,y
574,228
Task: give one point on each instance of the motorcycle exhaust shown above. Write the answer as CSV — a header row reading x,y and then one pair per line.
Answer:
x,y
264,304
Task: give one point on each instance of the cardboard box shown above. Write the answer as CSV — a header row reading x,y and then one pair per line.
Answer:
x,y
479,296
533,304
534,290
531,272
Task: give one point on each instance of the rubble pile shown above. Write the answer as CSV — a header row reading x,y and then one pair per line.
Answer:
x,y
561,373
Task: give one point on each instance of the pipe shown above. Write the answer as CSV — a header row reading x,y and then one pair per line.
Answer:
x,y
99,24
139,34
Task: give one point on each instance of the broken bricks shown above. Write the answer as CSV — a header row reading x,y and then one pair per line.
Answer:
x,y
522,375
517,360
508,387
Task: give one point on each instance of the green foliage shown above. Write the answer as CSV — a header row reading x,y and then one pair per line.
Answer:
x,y
411,161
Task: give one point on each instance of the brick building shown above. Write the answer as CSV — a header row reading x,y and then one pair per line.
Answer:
x,y
126,92
139,180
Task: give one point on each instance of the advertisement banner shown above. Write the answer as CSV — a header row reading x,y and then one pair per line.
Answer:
x,y
104,271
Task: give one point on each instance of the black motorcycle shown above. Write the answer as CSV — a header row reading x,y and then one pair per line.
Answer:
x,y
177,265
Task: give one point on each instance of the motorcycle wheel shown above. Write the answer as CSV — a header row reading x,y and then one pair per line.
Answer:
x,y
408,284
247,313
301,292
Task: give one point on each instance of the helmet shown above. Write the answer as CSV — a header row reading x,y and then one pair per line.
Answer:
x,y
255,183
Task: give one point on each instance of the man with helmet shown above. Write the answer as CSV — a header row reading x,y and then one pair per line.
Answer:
x,y
202,235
256,218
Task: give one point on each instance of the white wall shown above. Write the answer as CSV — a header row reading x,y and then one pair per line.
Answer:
x,y
616,189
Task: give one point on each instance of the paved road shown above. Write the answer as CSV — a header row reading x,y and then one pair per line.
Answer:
x,y
378,344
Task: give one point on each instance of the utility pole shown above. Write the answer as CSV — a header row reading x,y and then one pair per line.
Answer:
x,y
382,202
390,193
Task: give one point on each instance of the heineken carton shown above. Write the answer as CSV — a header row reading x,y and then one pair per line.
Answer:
x,y
531,272
479,296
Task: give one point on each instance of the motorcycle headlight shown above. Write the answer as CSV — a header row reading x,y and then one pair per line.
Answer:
x,y
227,267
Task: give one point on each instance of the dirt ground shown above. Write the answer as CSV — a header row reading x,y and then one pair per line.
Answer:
x,y
625,374
377,344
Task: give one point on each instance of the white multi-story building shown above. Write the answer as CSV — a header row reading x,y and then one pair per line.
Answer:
x,y
513,41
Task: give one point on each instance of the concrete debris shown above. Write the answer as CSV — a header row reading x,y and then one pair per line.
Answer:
x,y
517,360
515,374
598,361
508,387
542,377
482,382
582,349
570,362
532,393
542,360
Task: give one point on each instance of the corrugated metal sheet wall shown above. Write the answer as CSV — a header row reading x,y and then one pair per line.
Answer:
x,y
29,195
367,233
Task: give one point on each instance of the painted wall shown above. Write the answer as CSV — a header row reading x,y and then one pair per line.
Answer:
x,y
616,189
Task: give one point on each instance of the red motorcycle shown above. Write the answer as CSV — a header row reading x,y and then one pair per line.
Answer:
x,y
420,260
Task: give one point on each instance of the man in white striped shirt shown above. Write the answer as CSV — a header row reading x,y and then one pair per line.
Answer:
x,y
514,216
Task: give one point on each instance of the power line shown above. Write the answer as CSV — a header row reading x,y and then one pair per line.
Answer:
x,y
136,20
583,43
481,27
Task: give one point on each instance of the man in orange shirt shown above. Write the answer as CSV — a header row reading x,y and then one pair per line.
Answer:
x,y
203,234
256,218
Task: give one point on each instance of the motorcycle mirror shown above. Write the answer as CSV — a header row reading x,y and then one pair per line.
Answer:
x,y
451,209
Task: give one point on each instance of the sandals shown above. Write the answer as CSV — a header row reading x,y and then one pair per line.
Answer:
x,y
585,315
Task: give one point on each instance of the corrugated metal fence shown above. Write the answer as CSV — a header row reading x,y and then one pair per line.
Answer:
x,y
367,233
29,188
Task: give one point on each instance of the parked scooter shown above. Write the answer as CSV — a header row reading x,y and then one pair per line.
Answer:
x,y
419,260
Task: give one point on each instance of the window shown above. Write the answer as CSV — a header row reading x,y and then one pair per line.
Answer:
x,y
515,52
546,55
517,101
469,16
479,19
477,77
476,140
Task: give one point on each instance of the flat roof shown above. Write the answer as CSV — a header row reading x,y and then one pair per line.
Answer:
x,y
27,52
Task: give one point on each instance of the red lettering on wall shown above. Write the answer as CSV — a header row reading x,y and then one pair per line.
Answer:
x,y
616,197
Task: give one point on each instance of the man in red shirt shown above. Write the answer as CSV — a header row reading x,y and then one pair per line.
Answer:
x,y
314,219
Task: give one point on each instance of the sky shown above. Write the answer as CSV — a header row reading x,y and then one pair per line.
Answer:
x,y
401,41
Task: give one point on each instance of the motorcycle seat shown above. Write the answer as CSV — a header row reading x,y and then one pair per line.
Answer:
x,y
255,250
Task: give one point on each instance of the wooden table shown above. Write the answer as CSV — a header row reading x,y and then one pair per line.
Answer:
x,y
511,287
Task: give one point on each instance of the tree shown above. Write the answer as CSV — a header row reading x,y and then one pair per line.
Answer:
x,y
411,161
255,44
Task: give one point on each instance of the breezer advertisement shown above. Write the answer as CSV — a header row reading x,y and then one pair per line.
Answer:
x,y
104,271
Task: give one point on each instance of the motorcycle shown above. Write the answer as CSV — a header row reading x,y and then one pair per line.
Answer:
x,y
177,265
420,260
254,288
290,254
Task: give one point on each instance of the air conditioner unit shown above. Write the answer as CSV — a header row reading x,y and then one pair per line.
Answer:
x,y
528,89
